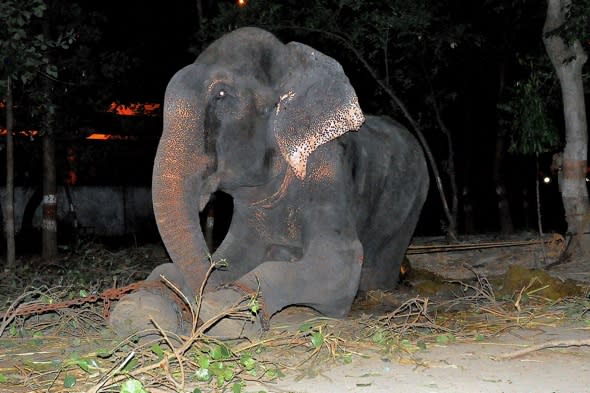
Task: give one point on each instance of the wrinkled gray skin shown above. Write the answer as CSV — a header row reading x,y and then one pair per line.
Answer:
x,y
319,212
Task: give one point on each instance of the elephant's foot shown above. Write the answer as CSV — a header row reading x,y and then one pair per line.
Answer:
x,y
218,304
143,310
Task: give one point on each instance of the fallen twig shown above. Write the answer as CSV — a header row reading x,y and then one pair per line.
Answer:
x,y
548,344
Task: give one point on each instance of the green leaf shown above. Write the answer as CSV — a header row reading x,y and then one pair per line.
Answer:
x,y
13,331
83,293
220,352
248,362
236,387
274,373
204,362
254,305
228,374
305,327
131,365
39,10
83,364
444,339
103,353
317,339
157,350
69,381
378,337
347,358
132,386
197,390
3,378
203,375
51,70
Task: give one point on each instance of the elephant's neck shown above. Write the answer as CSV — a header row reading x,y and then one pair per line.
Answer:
x,y
267,195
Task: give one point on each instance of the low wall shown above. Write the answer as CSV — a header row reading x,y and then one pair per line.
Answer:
x,y
102,211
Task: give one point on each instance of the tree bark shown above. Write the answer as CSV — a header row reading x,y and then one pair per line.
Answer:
x,y
568,58
9,210
199,5
505,218
450,170
49,203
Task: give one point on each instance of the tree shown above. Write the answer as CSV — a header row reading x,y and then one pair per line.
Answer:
x,y
566,22
21,55
533,130
36,37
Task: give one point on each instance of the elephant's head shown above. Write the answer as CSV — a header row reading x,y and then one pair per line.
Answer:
x,y
249,108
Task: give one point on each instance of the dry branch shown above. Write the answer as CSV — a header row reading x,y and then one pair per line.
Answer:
x,y
548,344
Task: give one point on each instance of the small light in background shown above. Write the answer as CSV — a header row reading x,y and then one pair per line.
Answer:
x,y
242,3
546,180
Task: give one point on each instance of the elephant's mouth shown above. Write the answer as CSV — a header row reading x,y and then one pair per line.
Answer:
x,y
215,219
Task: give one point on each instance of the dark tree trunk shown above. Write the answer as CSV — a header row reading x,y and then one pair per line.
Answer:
x,y
49,204
467,137
199,4
450,170
505,218
9,210
568,60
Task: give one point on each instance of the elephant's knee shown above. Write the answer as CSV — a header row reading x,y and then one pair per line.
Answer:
x,y
340,278
173,274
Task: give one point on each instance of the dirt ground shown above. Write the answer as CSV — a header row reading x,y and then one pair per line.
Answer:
x,y
468,365
467,360
462,367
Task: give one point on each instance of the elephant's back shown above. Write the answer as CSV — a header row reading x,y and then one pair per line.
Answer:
x,y
384,154
390,177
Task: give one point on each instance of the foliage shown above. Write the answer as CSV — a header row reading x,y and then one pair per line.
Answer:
x,y
533,129
577,23
83,79
399,40
21,54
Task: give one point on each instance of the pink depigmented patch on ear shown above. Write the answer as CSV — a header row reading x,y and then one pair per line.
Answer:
x,y
348,118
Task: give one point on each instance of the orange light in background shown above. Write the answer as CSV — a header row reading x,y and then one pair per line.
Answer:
x,y
25,133
98,137
137,109
242,3
71,177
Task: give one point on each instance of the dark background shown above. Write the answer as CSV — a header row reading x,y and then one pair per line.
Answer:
x,y
159,38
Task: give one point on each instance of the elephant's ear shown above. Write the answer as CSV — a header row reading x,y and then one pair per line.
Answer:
x,y
317,104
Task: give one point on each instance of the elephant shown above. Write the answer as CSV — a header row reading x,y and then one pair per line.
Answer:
x,y
325,199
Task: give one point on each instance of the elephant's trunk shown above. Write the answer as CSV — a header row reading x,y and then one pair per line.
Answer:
x,y
179,167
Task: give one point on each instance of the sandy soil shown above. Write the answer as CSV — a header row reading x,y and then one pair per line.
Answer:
x,y
472,366
461,367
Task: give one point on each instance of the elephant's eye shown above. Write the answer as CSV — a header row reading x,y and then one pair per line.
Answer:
x,y
221,94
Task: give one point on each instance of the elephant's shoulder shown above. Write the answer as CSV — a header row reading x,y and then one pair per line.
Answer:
x,y
382,125
326,163
383,132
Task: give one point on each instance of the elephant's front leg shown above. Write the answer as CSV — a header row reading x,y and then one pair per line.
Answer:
x,y
326,277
